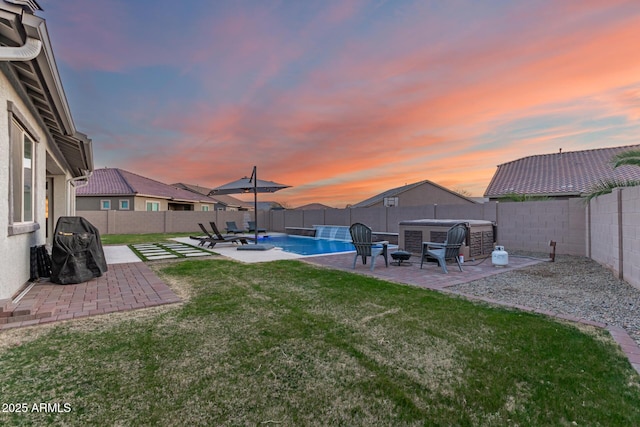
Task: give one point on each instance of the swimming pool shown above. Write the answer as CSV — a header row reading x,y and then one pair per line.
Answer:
x,y
307,245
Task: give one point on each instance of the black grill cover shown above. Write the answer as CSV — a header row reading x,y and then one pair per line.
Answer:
x,y
77,254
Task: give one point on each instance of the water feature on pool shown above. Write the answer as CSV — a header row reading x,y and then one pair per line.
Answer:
x,y
308,245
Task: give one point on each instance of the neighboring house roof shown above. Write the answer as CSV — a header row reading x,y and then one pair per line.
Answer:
x,y
569,173
269,206
313,206
119,182
221,198
37,74
394,192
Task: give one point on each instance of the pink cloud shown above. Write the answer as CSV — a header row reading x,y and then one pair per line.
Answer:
x,y
377,110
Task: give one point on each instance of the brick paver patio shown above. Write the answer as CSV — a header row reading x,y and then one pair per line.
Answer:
x,y
123,287
430,276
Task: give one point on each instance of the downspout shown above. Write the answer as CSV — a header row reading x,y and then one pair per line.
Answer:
x,y
73,181
30,50
81,178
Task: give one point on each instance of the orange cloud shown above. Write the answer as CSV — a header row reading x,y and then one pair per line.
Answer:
x,y
368,118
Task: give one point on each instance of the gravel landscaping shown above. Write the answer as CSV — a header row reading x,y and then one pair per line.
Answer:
x,y
571,285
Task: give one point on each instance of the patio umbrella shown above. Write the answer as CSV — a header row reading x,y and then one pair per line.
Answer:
x,y
250,185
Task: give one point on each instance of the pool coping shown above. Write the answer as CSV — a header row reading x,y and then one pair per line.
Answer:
x,y
230,250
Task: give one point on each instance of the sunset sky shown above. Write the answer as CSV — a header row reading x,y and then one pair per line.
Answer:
x,y
345,99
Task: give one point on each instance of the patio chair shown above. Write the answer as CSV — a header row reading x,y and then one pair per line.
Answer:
x,y
361,238
233,228
449,249
252,228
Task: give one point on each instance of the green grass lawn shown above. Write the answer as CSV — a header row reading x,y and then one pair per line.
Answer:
x,y
286,343
134,239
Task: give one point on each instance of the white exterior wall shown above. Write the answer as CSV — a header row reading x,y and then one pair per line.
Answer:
x,y
14,249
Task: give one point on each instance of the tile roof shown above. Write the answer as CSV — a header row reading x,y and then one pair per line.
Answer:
x,y
114,181
398,190
313,206
562,173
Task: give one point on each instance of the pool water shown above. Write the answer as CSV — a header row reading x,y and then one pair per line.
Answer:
x,y
308,245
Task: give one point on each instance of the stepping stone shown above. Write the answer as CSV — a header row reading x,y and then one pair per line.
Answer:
x,y
154,257
159,251
192,254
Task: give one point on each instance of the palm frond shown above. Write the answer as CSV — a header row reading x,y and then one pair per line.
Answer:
x,y
631,157
607,186
522,197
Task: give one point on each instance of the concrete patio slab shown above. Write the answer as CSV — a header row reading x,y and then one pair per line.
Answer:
x,y
119,254
230,250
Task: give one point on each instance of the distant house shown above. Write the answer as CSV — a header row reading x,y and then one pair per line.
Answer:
x,y
559,175
313,206
118,189
269,206
416,194
43,157
224,202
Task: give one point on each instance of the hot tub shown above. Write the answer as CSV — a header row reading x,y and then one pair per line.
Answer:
x,y
479,241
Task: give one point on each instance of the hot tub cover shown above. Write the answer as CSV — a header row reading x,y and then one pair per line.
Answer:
x,y
77,254
445,222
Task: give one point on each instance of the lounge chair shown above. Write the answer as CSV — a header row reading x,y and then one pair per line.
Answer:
x,y
361,238
233,228
212,240
242,239
252,228
449,249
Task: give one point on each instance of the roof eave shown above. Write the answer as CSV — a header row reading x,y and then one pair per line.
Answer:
x,y
564,194
76,148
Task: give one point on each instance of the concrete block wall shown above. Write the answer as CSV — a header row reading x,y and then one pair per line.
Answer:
x,y
631,235
532,225
604,243
142,222
460,212
395,215
376,218
337,216
523,226
614,233
313,217
606,230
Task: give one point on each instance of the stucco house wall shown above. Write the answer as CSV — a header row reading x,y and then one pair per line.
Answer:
x,y
416,194
427,194
14,245
95,203
61,156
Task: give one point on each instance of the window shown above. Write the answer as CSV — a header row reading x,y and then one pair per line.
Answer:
x,y
124,205
23,164
105,205
153,206
22,175
205,208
